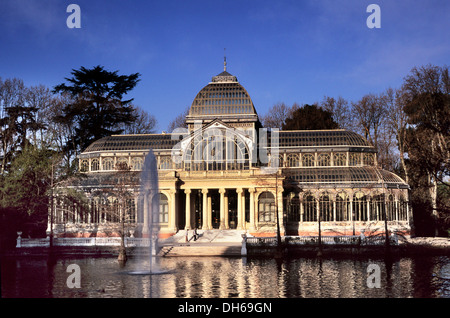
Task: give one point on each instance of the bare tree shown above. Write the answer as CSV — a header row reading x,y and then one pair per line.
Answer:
x,y
426,93
340,110
118,201
277,114
41,98
370,113
145,123
396,124
179,121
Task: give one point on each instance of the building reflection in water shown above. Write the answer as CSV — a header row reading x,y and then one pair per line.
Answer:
x,y
229,278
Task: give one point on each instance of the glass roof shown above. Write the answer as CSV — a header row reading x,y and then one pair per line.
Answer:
x,y
345,175
317,138
133,142
223,96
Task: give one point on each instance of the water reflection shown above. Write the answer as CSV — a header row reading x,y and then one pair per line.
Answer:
x,y
228,277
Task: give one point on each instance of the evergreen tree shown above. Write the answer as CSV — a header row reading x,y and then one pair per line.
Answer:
x,y
310,117
98,108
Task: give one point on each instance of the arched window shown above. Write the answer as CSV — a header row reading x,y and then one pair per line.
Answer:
x,y
131,211
84,165
163,208
355,159
324,159
339,159
342,207
165,163
137,163
308,160
293,160
326,208
218,149
122,163
368,159
402,209
360,207
377,208
390,207
266,204
309,208
280,160
107,163
95,166
293,207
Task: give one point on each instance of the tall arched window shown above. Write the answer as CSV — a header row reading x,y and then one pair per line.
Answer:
x,y
377,208
217,149
267,209
293,207
325,208
360,206
309,208
131,211
402,209
163,208
390,208
342,207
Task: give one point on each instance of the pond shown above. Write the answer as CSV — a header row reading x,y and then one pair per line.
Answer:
x,y
210,277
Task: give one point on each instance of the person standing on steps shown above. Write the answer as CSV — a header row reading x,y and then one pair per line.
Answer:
x,y
195,234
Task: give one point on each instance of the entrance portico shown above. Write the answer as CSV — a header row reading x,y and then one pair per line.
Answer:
x,y
220,208
232,205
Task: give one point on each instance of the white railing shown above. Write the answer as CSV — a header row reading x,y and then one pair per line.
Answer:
x,y
82,241
350,240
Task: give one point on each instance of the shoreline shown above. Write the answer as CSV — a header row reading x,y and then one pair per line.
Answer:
x,y
406,247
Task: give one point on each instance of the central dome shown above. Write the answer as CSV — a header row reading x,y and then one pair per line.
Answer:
x,y
222,97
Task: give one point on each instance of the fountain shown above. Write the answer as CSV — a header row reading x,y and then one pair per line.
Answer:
x,y
148,213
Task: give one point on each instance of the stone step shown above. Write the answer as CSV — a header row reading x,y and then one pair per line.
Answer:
x,y
206,236
201,250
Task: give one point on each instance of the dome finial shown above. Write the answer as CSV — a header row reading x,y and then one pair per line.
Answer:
x,y
224,60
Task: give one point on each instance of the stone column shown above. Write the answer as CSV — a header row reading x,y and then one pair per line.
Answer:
x,y
334,208
252,209
280,212
172,211
225,204
188,209
222,209
239,209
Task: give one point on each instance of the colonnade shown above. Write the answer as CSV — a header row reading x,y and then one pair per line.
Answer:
x,y
251,223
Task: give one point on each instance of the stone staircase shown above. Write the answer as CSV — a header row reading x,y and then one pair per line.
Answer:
x,y
208,243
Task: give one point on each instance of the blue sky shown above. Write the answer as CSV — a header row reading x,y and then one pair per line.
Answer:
x,y
281,51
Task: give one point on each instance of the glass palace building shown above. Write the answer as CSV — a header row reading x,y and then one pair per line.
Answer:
x,y
225,171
